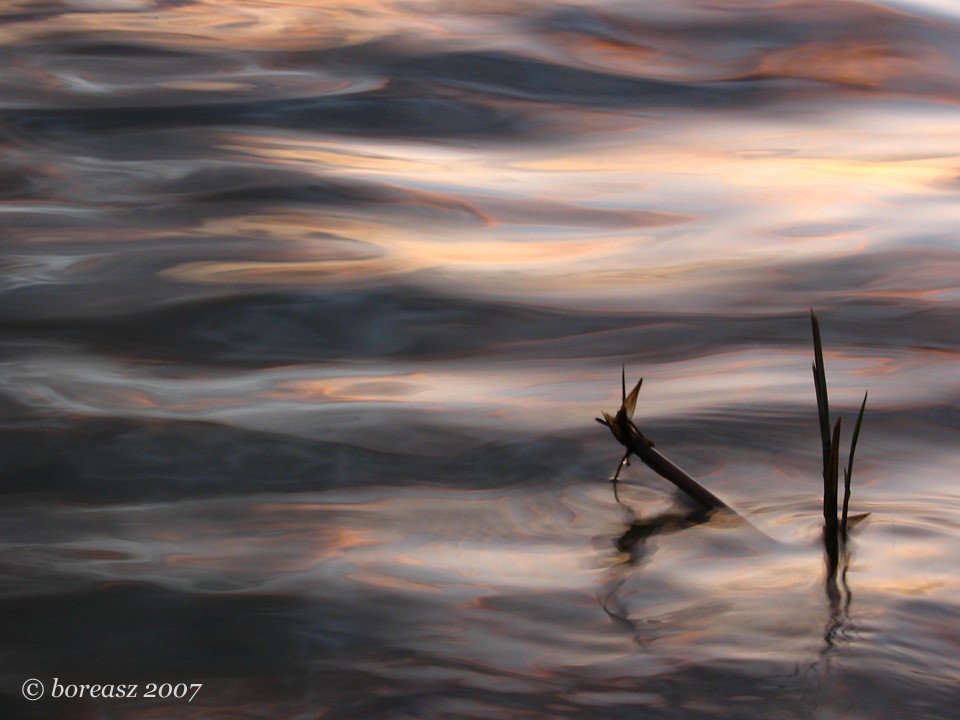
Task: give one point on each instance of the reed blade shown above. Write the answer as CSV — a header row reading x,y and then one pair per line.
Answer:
x,y
857,519
630,402
820,385
848,472
846,502
830,483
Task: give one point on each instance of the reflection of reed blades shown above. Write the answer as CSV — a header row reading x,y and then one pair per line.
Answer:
x,y
636,443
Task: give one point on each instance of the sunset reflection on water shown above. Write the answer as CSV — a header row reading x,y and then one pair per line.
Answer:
x,y
307,311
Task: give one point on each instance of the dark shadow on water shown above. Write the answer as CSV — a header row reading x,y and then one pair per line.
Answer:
x,y
267,650
269,329
378,113
515,76
109,460
391,320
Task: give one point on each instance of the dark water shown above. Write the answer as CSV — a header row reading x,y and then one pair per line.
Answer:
x,y
307,309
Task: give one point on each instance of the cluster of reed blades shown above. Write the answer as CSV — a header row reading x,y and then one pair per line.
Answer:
x,y
835,528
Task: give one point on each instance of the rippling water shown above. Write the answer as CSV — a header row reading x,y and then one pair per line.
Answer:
x,y
307,309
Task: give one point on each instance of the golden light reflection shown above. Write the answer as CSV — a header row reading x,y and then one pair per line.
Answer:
x,y
687,214
344,540
207,85
292,227
262,25
404,250
389,581
503,392
564,223
239,24
905,176
480,184
793,170
912,585
366,158
356,389
506,253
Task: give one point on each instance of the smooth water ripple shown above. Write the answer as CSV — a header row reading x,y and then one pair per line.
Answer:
x,y
306,310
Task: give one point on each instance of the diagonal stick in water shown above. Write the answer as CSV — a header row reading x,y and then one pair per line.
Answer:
x,y
636,443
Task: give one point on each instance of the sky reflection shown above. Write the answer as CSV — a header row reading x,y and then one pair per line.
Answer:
x,y
306,311
603,215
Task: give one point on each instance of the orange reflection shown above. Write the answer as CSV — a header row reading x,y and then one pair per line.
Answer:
x,y
344,540
392,582
504,253
273,552
867,64
349,156
353,389
823,176
504,393
613,55
240,23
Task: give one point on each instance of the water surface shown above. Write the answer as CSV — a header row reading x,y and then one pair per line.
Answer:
x,y
307,309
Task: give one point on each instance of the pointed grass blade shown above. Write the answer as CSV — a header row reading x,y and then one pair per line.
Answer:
x,y
830,483
848,472
831,536
820,385
630,402
857,519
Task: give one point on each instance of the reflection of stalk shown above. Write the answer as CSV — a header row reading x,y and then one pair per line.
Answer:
x,y
637,444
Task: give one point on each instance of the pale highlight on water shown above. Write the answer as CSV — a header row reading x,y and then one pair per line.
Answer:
x,y
307,310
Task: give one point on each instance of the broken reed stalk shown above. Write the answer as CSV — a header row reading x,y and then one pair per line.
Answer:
x,y
660,464
627,434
